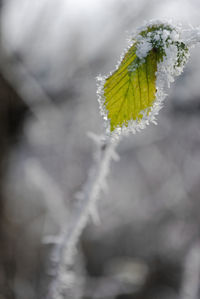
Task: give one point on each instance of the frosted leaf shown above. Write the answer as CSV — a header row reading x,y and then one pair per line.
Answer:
x,y
132,95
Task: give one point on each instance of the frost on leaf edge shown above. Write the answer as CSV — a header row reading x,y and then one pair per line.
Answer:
x,y
164,76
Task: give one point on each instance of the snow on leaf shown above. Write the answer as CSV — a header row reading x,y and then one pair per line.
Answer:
x,y
131,96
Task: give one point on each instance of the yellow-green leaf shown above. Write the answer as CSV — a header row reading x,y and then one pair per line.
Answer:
x,y
129,97
128,92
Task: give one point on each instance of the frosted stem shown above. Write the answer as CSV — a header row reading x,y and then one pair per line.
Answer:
x,y
191,36
66,248
191,274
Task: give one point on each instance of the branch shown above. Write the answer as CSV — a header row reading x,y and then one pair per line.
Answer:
x,y
191,275
66,247
191,36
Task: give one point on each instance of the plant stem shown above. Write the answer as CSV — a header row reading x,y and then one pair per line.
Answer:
x,y
191,36
66,248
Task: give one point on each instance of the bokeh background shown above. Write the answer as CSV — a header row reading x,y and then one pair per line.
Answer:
x,y
147,244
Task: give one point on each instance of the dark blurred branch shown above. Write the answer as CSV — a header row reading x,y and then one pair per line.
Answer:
x,y
12,116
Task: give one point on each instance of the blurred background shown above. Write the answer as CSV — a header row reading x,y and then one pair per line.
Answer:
x,y
147,244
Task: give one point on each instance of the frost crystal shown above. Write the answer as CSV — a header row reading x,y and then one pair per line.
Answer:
x,y
173,49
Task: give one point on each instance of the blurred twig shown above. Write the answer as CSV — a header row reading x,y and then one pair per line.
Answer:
x,y
52,194
191,276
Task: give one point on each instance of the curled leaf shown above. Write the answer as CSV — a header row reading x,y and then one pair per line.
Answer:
x,y
131,96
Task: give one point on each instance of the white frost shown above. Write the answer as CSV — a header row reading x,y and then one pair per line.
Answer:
x,y
144,47
166,71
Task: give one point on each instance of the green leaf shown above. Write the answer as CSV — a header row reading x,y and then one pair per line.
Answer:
x,y
130,91
127,93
